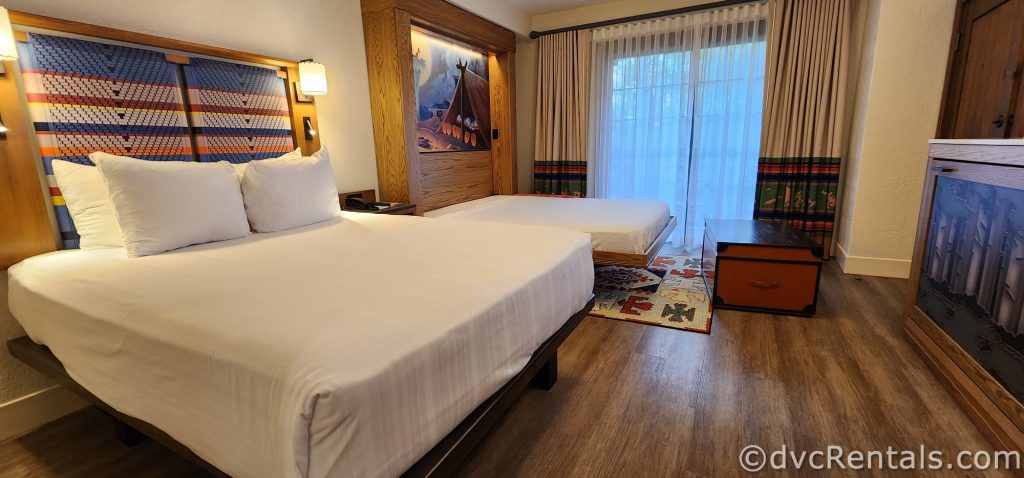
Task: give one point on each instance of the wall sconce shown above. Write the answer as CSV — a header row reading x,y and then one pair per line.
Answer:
x,y
307,126
8,49
3,130
312,79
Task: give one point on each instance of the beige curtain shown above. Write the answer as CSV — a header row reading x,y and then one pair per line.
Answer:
x,y
805,111
563,96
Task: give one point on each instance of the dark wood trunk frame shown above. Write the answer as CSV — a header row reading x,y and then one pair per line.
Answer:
x,y
442,460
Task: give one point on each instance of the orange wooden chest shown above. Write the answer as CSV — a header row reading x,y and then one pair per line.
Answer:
x,y
760,266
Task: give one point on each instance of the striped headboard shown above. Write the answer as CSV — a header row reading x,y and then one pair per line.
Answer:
x,y
85,96
239,112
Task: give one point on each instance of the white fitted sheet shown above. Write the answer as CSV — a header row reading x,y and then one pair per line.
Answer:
x,y
615,225
347,348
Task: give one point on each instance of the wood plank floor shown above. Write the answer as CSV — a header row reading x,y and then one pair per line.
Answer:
x,y
637,400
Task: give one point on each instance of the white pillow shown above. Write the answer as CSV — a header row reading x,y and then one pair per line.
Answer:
x,y
290,192
240,167
89,204
164,205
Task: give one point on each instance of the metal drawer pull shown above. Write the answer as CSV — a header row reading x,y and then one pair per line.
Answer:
x,y
765,284
940,169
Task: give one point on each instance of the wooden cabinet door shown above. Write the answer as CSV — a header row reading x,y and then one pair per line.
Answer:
x,y
984,84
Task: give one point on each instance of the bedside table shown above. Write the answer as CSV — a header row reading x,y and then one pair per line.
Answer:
x,y
397,208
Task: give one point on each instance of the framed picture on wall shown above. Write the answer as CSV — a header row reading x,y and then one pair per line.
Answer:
x,y
453,100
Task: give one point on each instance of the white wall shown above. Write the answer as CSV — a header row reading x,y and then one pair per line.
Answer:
x,y
328,30
606,11
903,67
502,12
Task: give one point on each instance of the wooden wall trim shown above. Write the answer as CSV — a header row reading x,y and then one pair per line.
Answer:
x,y
407,107
381,31
106,33
948,82
503,118
298,111
450,20
25,227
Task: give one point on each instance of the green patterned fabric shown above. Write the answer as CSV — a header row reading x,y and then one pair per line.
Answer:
x,y
566,178
563,97
802,135
801,191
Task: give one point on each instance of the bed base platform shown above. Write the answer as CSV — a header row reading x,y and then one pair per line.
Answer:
x,y
637,260
541,372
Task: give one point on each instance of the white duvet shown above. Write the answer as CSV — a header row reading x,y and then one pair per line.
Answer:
x,y
348,348
615,225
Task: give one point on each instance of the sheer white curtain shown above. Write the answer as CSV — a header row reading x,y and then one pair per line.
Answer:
x,y
676,113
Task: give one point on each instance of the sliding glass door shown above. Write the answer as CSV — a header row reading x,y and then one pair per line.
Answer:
x,y
677,113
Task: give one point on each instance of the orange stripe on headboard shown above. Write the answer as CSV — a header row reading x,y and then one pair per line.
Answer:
x,y
161,151
245,149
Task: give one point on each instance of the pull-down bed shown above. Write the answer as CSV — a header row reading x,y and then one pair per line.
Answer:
x,y
625,232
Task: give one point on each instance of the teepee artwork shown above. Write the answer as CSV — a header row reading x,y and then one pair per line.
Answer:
x,y
453,105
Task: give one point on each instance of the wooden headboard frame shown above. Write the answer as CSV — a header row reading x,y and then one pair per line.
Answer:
x,y
435,180
26,224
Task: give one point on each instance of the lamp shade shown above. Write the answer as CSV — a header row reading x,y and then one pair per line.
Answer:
x,y
8,49
312,78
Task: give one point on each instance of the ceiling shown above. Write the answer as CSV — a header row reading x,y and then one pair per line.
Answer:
x,y
537,7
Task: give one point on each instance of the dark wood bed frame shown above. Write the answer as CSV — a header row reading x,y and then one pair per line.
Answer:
x,y
541,371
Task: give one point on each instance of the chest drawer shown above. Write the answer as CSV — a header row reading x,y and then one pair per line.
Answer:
x,y
787,287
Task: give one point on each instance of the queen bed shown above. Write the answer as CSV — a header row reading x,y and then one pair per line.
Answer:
x,y
347,348
624,232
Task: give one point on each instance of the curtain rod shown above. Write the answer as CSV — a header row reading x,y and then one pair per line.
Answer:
x,y
646,16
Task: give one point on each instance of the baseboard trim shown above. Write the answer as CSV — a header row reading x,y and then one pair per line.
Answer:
x,y
24,414
872,266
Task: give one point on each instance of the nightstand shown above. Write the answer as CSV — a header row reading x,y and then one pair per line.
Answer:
x,y
397,208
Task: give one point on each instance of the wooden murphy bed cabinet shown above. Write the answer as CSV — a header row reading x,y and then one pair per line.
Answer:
x,y
965,300
760,266
436,179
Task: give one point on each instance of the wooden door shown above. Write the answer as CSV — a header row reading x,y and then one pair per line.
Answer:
x,y
983,97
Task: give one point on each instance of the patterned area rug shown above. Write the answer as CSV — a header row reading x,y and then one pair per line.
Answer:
x,y
669,293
